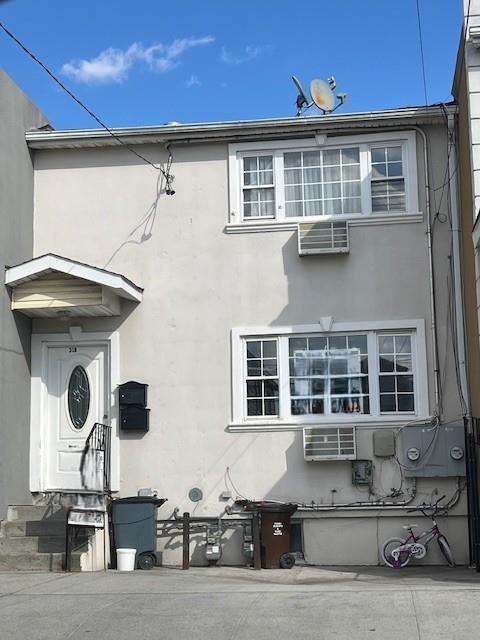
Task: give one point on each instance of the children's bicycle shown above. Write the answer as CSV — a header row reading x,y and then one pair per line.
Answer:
x,y
397,552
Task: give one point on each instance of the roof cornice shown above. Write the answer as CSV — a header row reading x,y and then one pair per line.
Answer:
x,y
240,129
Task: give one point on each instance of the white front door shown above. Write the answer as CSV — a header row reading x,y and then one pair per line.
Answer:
x,y
77,388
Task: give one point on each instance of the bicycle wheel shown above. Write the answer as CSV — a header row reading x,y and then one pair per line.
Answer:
x,y
446,551
390,545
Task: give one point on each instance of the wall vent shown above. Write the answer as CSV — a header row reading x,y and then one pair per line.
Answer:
x,y
329,443
322,237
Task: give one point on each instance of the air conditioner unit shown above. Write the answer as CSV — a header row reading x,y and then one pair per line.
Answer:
x,y
322,237
474,33
329,443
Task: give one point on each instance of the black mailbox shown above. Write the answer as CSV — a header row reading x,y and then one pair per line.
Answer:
x,y
133,393
134,418
132,399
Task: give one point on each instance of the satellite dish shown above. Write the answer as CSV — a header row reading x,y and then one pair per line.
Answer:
x,y
302,100
322,95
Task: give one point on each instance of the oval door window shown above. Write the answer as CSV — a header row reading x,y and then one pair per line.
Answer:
x,y
78,397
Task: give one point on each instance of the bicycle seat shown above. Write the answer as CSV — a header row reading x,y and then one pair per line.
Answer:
x,y
410,526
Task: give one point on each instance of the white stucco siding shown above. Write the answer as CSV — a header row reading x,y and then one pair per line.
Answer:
x,y
96,206
17,114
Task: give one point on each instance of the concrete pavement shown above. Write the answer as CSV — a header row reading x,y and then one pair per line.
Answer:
x,y
240,604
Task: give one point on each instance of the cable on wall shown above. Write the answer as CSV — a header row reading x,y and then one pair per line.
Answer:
x,y
166,173
421,51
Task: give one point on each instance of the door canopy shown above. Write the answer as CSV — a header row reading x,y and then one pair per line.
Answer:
x,y
51,286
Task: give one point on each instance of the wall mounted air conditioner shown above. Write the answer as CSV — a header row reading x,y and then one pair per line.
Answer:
x,y
329,443
474,34
322,237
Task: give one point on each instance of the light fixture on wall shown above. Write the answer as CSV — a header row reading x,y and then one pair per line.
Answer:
x,y
64,314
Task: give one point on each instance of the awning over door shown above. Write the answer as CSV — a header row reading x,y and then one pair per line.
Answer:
x,y
51,286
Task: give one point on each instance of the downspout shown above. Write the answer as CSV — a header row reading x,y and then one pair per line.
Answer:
x,y
433,314
457,266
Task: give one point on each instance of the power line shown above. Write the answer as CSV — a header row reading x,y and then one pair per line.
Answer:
x,y
166,174
421,51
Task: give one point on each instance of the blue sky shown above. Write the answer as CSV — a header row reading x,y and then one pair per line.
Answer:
x,y
152,61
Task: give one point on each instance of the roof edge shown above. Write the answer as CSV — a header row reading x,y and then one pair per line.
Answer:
x,y
234,130
122,286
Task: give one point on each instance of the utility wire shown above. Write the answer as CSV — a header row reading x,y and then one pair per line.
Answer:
x,y
421,51
166,174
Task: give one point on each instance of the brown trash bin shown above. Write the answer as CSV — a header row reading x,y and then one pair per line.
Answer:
x,y
274,531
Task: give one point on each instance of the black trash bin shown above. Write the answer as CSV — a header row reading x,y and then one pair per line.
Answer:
x,y
274,531
134,527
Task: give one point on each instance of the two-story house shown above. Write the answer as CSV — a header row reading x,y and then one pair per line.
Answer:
x,y
289,308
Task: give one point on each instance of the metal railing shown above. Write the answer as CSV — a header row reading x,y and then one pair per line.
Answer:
x,y
96,460
472,446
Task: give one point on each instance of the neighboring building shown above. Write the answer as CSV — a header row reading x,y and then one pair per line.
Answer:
x,y
466,89
17,115
280,309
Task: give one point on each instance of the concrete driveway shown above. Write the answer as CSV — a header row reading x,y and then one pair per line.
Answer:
x,y
241,604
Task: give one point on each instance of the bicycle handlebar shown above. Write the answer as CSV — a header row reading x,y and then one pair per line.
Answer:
x,y
424,506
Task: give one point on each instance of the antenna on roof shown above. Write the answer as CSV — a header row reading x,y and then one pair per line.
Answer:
x,y
322,96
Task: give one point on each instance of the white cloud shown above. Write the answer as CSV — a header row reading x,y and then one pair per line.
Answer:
x,y
113,65
251,52
162,57
193,81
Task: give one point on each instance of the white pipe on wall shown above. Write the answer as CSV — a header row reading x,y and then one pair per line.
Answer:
x,y
456,243
431,275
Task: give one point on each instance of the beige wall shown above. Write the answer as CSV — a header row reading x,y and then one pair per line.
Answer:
x,y
17,114
468,254
101,207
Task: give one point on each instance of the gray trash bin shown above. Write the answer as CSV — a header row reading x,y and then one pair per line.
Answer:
x,y
134,527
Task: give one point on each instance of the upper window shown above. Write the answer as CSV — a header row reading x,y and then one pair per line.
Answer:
x,y
387,183
321,183
258,191
286,182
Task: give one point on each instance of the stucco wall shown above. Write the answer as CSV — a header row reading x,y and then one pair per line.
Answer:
x,y
101,207
17,115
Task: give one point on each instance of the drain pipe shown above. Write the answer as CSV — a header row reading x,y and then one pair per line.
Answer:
x,y
456,245
380,506
433,314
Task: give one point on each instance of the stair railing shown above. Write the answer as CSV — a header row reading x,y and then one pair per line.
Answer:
x,y
95,465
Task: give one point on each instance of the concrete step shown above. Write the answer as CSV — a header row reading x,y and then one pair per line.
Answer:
x,y
35,512
32,544
37,561
39,528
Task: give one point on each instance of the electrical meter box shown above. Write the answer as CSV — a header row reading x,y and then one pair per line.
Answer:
x,y
427,451
383,443
362,472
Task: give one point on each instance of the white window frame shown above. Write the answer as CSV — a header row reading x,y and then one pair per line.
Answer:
x,y
286,421
276,148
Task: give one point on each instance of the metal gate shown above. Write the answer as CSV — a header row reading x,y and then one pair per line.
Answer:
x,y
472,446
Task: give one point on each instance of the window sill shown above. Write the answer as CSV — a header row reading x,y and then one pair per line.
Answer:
x,y
358,421
291,225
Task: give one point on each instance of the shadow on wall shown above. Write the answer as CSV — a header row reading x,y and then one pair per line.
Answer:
x,y
143,230
308,278
170,545
324,481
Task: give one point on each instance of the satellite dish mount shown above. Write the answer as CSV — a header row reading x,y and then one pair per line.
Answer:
x,y
322,96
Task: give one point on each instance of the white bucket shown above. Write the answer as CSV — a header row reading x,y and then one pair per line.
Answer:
x,y
126,559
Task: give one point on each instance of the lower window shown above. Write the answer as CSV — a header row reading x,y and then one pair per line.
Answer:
x,y
370,373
